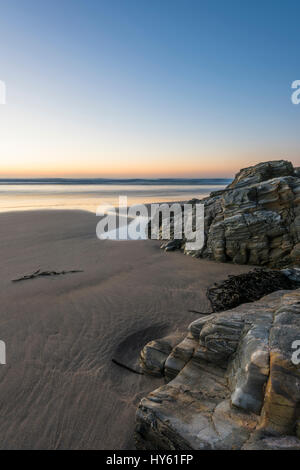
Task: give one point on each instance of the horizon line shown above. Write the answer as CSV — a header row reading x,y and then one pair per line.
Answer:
x,y
93,180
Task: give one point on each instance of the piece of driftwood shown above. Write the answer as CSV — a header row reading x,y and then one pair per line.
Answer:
x,y
246,287
200,313
40,273
127,367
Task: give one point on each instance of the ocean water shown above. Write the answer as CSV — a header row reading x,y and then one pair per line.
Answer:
x,y
88,194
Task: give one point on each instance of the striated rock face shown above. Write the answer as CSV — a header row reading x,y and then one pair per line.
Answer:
x,y
155,353
232,383
255,220
262,172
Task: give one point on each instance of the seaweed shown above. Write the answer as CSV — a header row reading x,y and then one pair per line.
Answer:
x,y
247,287
40,273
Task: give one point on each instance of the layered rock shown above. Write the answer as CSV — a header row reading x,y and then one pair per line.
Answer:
x,y
155,353
254,220
232,383
262,172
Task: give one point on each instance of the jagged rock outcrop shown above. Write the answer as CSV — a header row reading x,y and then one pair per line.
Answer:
x,y
233,382
262,172
254,220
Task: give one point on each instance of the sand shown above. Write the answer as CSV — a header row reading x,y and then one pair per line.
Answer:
x,y
59,388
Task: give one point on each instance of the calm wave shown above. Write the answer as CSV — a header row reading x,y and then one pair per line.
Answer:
x,y
88,194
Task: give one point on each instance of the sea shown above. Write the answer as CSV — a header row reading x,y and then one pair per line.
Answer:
x,y
88,194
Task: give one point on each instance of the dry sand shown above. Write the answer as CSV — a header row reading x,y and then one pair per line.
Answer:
x,y
59,389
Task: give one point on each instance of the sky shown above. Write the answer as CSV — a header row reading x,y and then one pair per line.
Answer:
x,y
147,88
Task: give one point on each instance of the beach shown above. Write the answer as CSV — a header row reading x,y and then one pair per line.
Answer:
x,y
149,227
59,388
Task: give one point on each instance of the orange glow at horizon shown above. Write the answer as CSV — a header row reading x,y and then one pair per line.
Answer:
x,y
34,145
132,168
129,170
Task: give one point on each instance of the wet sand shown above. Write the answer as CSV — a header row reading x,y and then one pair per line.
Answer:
x,y
59,388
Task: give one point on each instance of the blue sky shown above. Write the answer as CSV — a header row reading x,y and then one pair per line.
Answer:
x,y
147,88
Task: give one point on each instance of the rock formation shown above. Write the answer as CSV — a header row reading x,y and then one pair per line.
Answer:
x,y
232,382
254,220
